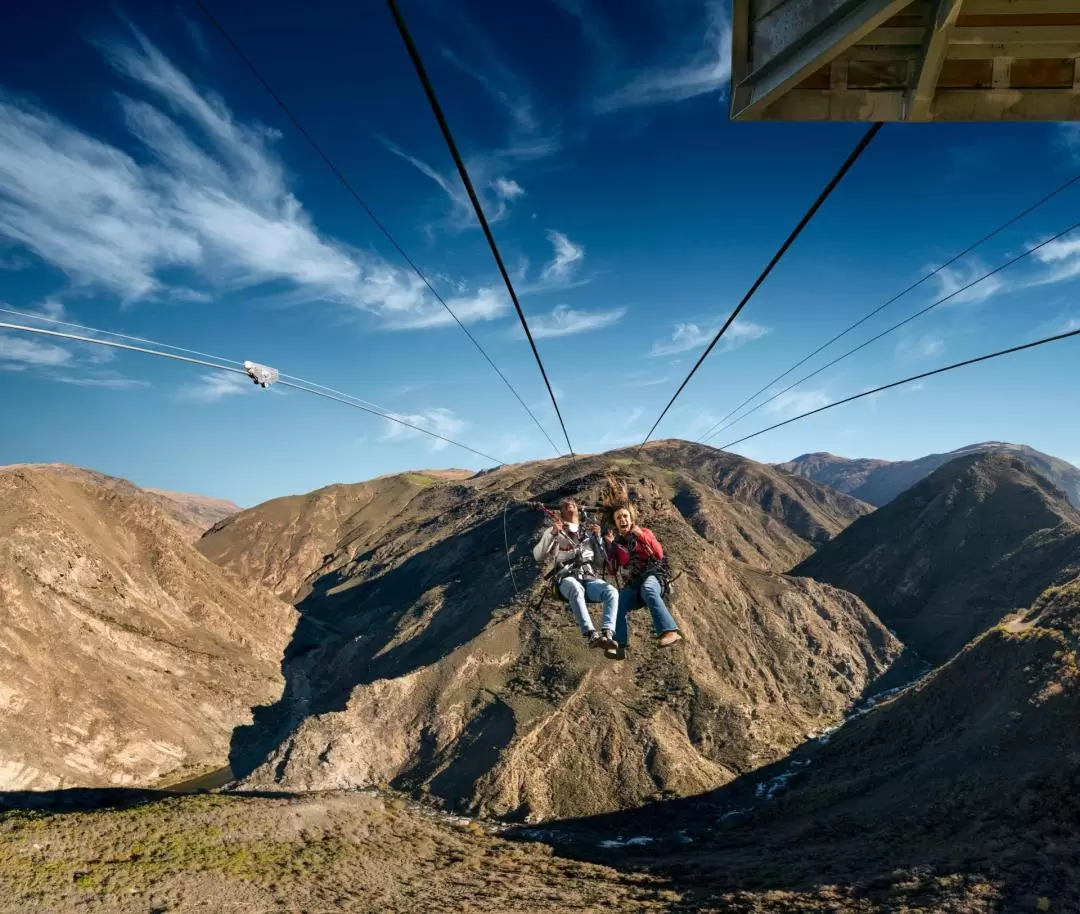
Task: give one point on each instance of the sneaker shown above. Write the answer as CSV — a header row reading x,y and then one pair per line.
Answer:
x,y
608,637
595,639
669,638
616,653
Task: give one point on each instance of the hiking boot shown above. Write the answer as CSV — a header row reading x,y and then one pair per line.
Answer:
x,y
595,639
669,638
607,636
616,653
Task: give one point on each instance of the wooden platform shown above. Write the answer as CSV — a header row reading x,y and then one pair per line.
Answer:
x,y
896,60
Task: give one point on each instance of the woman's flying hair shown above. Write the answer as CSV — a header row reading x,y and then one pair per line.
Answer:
x,y
614,496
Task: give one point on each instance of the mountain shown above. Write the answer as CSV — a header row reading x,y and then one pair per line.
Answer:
x,y
981,536
417,663
959,793
880,481
125,655
193,514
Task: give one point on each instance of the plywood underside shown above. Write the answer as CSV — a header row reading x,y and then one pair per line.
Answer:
x,y
945,60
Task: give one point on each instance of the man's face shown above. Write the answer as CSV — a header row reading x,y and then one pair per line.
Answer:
x,y
623,521
569,512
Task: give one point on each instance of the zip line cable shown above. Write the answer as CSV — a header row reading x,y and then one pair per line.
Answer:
x,y
821,198
436,108
895,298
160,345
382,228
183,358
916,377
896,326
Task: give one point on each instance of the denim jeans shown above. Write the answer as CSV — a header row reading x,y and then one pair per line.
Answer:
x,y
595,591
650,594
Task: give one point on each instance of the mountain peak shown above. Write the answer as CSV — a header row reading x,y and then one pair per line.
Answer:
x,y
979,537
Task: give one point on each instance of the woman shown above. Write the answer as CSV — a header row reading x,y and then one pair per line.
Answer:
x,y
636,550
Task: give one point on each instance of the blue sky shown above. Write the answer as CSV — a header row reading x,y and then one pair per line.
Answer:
x,y
148,185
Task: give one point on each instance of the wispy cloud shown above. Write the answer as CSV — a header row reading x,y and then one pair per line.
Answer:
x,y
951,279
1061,259
794,402
486,304
563,320
212,387
18,354
568,256
923,347
438,420
507,189
211,206
107,381
686,337
704,69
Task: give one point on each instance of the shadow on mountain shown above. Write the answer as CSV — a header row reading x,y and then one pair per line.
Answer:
x,y
88,799
360,623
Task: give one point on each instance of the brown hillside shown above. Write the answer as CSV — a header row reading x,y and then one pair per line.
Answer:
x,y
126,655
978,538
193,514
414,664
959,794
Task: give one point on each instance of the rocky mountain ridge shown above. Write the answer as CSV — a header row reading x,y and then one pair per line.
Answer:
x,y
125,655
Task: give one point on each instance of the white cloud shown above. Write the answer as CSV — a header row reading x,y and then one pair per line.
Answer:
x,y
923,347
707,69
17,354
211,205
951,279
438,420
686,337
1062,257
1073,323
794,402
213,387
565,321
568,256
487,304
507,188
107,382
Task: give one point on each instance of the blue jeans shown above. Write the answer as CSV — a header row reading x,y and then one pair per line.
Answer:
x,y
650,594
595,591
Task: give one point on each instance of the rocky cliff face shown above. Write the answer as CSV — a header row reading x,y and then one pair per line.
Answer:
x,y
417,665
880,481
124,654
980,537
193,514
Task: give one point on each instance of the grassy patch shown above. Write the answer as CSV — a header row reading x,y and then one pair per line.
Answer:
x,y
420,479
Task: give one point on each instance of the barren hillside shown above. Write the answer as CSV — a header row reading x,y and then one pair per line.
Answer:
x,y
124,654
415,663
978,538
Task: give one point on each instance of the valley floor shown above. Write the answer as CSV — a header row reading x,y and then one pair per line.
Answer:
x,y
366,852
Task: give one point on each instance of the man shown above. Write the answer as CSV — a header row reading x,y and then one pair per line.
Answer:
x,y
574,551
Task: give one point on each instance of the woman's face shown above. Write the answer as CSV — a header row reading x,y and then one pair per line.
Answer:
x,y
623,522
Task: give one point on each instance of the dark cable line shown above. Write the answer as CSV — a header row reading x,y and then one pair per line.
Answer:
x,y
917,377
429,91
896,326
895,298
821,198
382,228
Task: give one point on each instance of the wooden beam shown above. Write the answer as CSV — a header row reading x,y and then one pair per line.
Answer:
x,y
1022,7
1053,34
813,49
740,54
867,105
928,66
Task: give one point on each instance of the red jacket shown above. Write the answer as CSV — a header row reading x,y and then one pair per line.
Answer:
x,y
646,546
